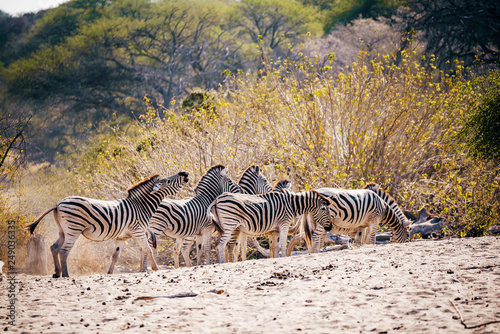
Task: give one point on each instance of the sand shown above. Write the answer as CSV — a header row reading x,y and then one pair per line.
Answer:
x,y
405,288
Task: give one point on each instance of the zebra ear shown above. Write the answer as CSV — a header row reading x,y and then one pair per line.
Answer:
x,y
376,187
224,172
257,170
324,204
158,185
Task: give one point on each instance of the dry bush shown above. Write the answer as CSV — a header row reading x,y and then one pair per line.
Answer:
x,y
12,230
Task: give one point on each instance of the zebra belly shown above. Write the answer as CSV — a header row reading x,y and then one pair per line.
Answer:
x,y
347,224
99,235
260,232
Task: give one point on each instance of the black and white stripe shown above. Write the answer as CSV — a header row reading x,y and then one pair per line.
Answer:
x,y
257,215
252,182
188,218
395,219
100,220
357,213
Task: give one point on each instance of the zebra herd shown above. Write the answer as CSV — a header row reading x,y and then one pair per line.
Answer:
x,y
236,212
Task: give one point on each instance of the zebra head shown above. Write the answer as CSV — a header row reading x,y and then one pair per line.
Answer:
x,y
171,185
227,184
321,213
253,182
284,185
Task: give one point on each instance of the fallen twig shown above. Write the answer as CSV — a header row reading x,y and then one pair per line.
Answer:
x,y
177,295
475,326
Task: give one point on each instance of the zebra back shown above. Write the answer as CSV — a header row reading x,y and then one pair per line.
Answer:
x,y
253,182
395,218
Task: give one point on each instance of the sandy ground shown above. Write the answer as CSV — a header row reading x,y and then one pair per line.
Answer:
x,y
383,289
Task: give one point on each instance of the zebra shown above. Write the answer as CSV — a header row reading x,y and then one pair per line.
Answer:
x,y
251,182
399,224
186,218
357,213
259,214
284,185
100,220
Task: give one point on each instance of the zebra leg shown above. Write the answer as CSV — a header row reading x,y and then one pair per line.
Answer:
x,y
116,254
199,253
282,241
315,244
357,236
243,246
144,262
322,240
55,254
232,247
276,244
177,247
207,238
271,245
142,241
371,232
69,242
221,247
185,248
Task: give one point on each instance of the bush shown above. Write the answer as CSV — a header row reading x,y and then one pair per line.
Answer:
x,y
12,225
482,128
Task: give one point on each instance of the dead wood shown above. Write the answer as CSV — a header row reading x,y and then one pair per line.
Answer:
x,y
475,326
37,256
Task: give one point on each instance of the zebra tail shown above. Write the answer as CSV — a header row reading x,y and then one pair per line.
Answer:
x,y
307,231
215,218
295,228
153,238
31,227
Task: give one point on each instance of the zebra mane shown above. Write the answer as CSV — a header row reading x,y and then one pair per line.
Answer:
x,y
211,171
144,182
245,172
371,185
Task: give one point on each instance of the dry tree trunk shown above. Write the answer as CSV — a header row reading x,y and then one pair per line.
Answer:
x,y
37,256
427,225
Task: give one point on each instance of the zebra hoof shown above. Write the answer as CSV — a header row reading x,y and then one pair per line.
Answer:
x,y
55,275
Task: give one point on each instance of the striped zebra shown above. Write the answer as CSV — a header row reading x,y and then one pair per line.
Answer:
x,y
399,224
100,220
251,182
284,185
181,219
259,214
357,213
